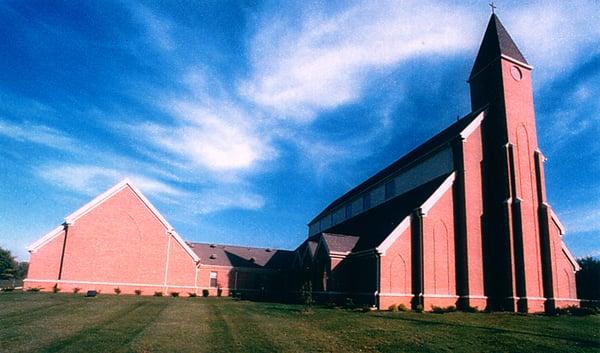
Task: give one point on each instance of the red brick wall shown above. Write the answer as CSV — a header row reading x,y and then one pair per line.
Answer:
x,y
563,272
438,254
119,243
473,156
395,285
520,126
45,263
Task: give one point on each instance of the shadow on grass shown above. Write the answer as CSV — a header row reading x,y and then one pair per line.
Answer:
x,y
494,330
114,332
21,317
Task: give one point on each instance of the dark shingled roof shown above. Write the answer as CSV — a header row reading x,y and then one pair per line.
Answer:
x,y
437,141
340,242
496,41
375,225
242,256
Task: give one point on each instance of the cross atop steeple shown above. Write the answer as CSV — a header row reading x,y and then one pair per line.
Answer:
x,y
496,42
493,6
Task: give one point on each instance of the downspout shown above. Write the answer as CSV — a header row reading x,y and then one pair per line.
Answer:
x,y
236,280
62,255
378,278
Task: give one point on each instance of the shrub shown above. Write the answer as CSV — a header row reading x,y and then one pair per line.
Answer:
x,y
419,308
577,311
192,295
471,309
219,292
306,296
205,293
393,307
174,294
138,292
442,310
76,290
117,291
34,289
55,288
402,307
349,303
158,294
8,289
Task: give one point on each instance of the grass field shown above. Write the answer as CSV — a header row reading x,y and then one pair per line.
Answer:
x,y
39,322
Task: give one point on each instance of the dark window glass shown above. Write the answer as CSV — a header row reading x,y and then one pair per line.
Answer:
x,y
390,189
348,210
366,201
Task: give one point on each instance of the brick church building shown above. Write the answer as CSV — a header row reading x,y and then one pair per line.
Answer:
x,y
461,220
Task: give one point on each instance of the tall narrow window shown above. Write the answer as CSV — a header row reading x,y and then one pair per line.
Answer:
x,y
366,201
349,210
213,280
390,189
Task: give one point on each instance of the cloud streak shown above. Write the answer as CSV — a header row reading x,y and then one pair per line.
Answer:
x,y
38,134
324,61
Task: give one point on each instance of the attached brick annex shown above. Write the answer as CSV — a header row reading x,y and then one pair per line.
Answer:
x,y
119,240
461,220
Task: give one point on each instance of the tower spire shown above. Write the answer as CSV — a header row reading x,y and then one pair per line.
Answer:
x,y
496,42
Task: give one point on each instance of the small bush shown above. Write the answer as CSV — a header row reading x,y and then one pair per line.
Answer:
x,y
192,295
419,308
471,309
577,311
174,294
55,288
219,292
34,289
306,296
138,292
442,310
158,294
205,293
402,307
76,290
349,303
393,308
8,289
117,291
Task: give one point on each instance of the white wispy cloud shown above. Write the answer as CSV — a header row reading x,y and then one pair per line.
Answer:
x,y
324,61
222,198
92,179
38,134
583,219
557,36
158,29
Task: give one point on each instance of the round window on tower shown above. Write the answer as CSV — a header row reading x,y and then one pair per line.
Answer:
x,y
516,73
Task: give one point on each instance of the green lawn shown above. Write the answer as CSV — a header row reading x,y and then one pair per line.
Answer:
x,y
39,322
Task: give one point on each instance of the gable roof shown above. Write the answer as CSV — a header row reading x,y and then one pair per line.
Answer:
x,y
340,243
242,256
496,42
375,225
463,127
100,199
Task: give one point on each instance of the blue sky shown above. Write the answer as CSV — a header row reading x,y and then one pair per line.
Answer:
x,y
241,120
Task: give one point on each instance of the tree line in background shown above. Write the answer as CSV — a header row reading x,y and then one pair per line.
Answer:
x,y
588,278
10,268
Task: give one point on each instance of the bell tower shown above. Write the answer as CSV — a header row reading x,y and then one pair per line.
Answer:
x,y
515,244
